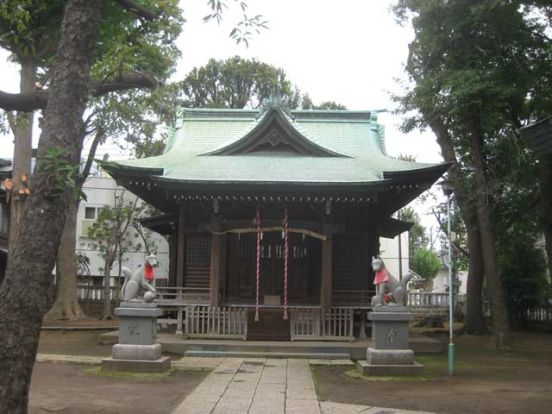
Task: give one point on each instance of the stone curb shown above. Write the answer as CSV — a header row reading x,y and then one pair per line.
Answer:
x,y
78,328
69,359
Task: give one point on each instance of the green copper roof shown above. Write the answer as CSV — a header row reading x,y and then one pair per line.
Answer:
x,y
275,146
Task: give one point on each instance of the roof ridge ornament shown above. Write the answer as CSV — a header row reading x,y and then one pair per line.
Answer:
x,y
275,101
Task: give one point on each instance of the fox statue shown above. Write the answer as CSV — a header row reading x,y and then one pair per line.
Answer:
x,y
139,281
389,291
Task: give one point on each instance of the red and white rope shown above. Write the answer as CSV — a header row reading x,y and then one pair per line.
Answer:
x,y
286,254
258,220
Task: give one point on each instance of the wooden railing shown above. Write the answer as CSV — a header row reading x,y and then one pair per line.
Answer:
x,y
215,322
352,297
165,295
96,293
314,324
536,314
426,299
182,295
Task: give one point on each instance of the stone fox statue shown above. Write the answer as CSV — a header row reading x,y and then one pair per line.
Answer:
x,y
387,287
138,282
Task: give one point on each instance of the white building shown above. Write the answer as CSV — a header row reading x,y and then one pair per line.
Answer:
x,y
440,282
101,191
395,254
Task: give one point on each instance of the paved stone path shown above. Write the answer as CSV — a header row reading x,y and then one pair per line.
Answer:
x,y
263,386
251,385
254,385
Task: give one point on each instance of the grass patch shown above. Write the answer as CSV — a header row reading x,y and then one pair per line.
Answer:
x,y
192,369
357,374
315,380
97,371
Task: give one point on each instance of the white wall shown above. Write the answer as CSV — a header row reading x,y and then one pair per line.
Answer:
x,y
440,282
100,192
389,249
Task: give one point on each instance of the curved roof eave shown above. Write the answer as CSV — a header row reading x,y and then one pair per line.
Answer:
x,y
434,170
161,181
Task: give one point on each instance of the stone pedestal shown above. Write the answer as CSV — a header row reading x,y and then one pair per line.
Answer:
x,y
137,350
389,354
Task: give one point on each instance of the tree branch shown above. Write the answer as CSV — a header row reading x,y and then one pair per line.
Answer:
x,y
137,9
455,244
100,135
27,102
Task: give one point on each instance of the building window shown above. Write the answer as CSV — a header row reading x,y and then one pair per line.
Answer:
x,y
90,213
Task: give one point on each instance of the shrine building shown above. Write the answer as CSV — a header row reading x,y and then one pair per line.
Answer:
x,y
272,217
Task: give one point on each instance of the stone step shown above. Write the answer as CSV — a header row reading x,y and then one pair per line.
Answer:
x,y
235,348
256,354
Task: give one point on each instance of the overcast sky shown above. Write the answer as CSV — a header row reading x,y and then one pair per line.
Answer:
x,y
349,51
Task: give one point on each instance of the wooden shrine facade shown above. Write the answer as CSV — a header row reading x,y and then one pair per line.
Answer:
x,y
274,215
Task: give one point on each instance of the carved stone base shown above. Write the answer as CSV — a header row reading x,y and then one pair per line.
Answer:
x,y
389,356
131,365
138,352
390,327
391,370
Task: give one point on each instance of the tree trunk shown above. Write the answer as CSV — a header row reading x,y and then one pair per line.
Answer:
x,y
24,294
475,320
110,253
66,305
545,169
22,128
499,312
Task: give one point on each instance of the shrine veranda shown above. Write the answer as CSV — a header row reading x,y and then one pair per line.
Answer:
x,y
273,217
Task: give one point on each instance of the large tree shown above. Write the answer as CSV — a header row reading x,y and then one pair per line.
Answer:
x,y
26,292
135,116
473,66
132,54
243,83
29,31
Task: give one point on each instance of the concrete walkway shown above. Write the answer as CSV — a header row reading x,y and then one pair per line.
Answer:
x,y
251,385
254,385
265,386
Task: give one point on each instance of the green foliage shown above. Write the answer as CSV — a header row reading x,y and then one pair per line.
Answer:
x,y
131,45
112,229
307,103
139,117
243,83
471,58
245,28
482,69
83,264
417,237
30,28
237,83
524,268
61,173
425,262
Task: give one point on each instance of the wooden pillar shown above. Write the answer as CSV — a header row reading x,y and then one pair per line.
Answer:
x,y
216,265
181,248
172,258
362,334
326,279
180,266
